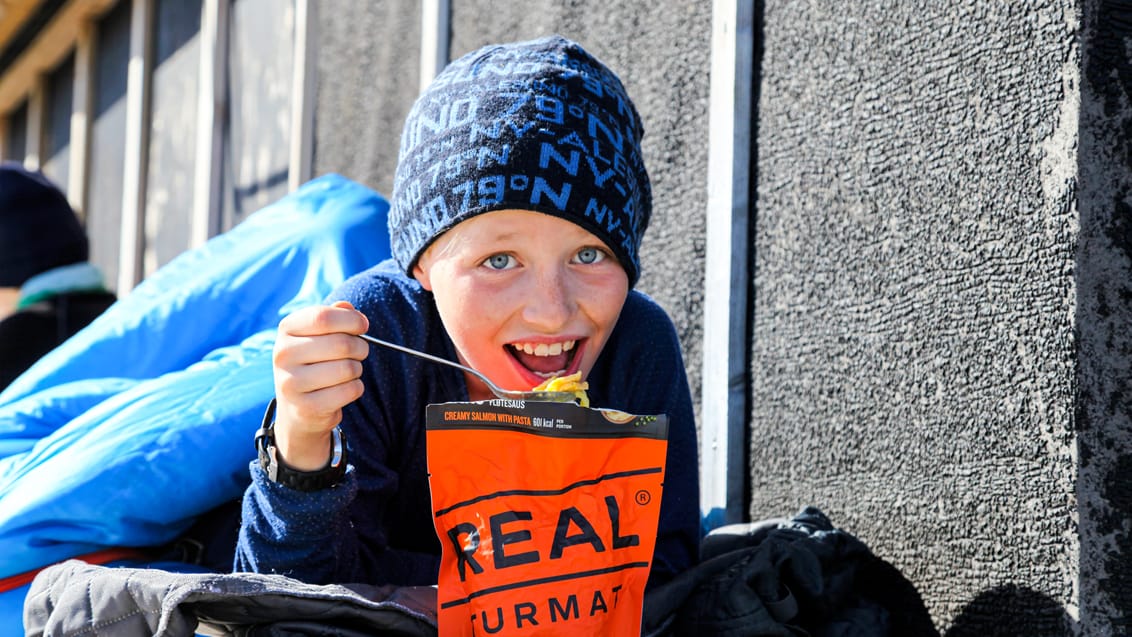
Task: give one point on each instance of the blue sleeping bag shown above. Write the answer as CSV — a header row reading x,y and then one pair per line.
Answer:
x,y
125,433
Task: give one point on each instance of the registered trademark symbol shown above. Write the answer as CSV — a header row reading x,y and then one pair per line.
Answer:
x,y
643,497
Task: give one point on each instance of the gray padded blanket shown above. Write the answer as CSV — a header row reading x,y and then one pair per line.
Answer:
x,y
75,599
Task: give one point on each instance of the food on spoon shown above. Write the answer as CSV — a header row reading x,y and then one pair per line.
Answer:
x,y
572,384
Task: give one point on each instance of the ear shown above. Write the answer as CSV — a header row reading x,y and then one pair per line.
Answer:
x,y
421,275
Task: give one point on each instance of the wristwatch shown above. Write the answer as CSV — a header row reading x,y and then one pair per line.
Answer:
x,y
278,471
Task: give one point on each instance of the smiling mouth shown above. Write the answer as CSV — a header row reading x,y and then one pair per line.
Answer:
x,y
545,360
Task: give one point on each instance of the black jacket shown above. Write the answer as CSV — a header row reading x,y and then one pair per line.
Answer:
x,y
37,329
787,578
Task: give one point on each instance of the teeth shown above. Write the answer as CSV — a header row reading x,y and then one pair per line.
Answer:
x,y
550,374
545,349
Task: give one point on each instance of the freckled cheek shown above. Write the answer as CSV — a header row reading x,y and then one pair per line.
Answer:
x,y
497,300
477,312
602,303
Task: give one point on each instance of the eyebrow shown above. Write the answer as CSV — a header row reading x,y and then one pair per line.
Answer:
x,y
509,234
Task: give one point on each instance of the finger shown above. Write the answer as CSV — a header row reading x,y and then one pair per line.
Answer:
x,y
304,379
296,351
321,410
324,319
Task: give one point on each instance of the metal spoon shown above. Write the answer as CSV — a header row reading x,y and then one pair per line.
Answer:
x,y
544,396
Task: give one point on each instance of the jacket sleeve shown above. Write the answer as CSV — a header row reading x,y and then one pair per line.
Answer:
x,y
368,528
312,537
294,533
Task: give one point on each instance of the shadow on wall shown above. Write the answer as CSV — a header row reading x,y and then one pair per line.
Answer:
x,y
1012,611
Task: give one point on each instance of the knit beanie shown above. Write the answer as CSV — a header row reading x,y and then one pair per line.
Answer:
x,y
539,125
38,229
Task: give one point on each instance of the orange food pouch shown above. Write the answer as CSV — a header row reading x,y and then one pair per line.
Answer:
x,y
547,516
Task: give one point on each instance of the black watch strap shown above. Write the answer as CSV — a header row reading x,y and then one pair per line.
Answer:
x,y
278,471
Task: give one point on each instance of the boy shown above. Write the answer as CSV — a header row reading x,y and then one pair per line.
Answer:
x,y
519,204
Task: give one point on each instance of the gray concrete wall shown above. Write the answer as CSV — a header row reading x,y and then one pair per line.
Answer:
x,y
1104,320
368,75
941,301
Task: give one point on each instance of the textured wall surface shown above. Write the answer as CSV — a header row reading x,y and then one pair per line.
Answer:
x,y
1104,321
368,76
915,298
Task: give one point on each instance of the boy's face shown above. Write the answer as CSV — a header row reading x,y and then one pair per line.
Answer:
x,y
524,296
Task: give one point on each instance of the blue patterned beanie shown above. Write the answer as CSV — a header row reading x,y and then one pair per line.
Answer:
x,y
539,125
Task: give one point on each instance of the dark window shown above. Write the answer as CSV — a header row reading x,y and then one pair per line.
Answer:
x,y
16,144
59,101
173,126
108,132
257,135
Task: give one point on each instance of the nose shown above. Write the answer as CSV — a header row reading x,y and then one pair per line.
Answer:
x,y
550,302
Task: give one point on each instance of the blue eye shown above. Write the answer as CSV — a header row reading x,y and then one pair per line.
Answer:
x,y
589,256
499,261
